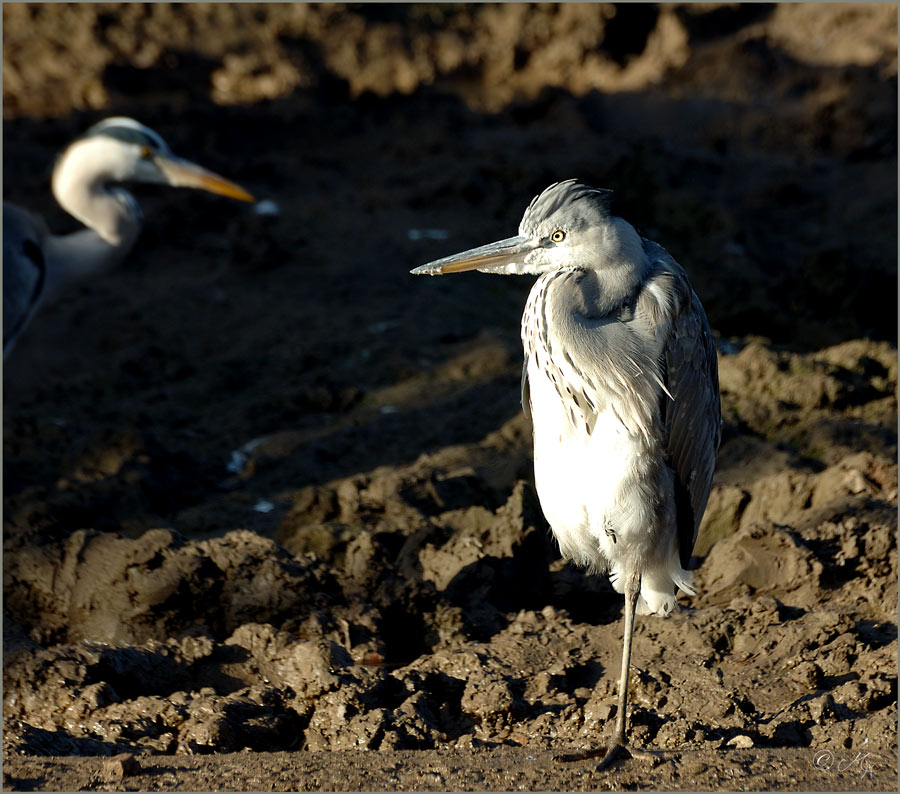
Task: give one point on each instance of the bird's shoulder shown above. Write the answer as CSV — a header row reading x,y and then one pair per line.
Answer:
x,y
665,294
673,308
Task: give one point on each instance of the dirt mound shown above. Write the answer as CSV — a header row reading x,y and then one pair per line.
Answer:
x,y
264,493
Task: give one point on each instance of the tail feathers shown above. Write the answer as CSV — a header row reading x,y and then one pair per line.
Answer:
x,y
684,580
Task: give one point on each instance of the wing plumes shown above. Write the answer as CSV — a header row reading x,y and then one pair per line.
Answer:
x,y
694,420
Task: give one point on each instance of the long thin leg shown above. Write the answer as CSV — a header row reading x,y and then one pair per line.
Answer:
x,y
618,746
632,591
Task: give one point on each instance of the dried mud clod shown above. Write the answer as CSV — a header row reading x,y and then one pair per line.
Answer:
x,y
423,641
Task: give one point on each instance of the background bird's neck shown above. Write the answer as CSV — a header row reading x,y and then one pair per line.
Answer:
x,y
111,213
83,184
71,258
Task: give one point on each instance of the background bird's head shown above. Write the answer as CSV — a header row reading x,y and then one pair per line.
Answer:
x,y
120,149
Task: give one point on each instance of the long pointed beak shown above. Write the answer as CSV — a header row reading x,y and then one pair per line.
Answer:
x,y
183,173
492,256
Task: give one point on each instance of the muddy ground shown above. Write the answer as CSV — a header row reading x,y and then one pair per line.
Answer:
x,y
268,512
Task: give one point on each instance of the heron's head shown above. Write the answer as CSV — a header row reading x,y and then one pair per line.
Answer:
x,y
568,225
121,149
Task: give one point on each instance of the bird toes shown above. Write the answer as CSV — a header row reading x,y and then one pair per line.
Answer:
x,y
607,755
613,753
581,755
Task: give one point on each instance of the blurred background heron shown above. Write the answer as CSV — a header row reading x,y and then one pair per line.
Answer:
x,y
38,265
621,383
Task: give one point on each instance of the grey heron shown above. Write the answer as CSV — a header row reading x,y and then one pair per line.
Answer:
x,y
38,266
621,383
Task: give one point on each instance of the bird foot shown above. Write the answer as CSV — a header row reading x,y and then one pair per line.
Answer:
x,y
607,755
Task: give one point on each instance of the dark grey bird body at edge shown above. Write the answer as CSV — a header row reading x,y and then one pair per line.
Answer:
x,y
621,383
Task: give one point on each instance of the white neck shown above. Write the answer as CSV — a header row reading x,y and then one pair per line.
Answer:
x,y
81,185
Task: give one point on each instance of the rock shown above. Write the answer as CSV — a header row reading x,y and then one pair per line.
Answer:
x,y
119,767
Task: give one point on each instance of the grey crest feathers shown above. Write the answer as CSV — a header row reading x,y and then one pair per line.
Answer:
x,y
582,205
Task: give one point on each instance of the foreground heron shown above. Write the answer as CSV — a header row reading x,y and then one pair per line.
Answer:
x,y
37,265
621,383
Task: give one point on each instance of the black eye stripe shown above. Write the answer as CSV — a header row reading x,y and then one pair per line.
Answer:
x,y
138,134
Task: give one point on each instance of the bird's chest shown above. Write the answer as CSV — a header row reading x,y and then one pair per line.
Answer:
x,y
583,476
593,445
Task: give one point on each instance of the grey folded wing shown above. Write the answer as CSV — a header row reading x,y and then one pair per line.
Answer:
x,y
693,419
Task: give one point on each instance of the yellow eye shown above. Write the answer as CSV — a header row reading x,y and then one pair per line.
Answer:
x,y
146,152
558,236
